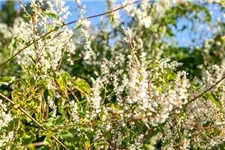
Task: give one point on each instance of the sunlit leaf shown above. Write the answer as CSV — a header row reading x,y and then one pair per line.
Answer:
x,y
212,98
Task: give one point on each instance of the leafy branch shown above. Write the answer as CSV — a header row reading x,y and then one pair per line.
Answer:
x,y
28,115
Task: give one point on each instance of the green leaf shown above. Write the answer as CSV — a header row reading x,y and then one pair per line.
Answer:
x,y
111,19
38,116
11,125
48,139
5,79
49,122
32,81
52,15
51,93
29,138
61,83
82,86
65,75
78,25
50,27
20,40
211,97
171,76
61,108
21,133
102,116
12,46
26,17
63,79
31,146
85,107
65,134
60,120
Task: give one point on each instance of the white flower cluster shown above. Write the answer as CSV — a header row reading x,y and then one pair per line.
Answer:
x,y
4,118
116,19
212,74
141,13
6,31
4,122
46,53
95,98
52,105
7,137
204,116
7,34
141,89
85,26
74,112
138,82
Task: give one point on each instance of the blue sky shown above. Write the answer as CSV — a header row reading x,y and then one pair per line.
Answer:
x,y
92,8
184,38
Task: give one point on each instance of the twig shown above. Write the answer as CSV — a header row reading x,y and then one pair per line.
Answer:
x,y
28,115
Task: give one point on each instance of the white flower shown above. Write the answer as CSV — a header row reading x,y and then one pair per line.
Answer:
x,y
6,137
48,52
78,2
95,98
87,55
86,23
4,117
74,112
52,105
147,21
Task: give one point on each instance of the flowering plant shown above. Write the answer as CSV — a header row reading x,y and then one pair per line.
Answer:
x,y
121,87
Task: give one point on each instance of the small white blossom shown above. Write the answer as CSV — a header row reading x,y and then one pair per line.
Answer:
x,y
74,112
